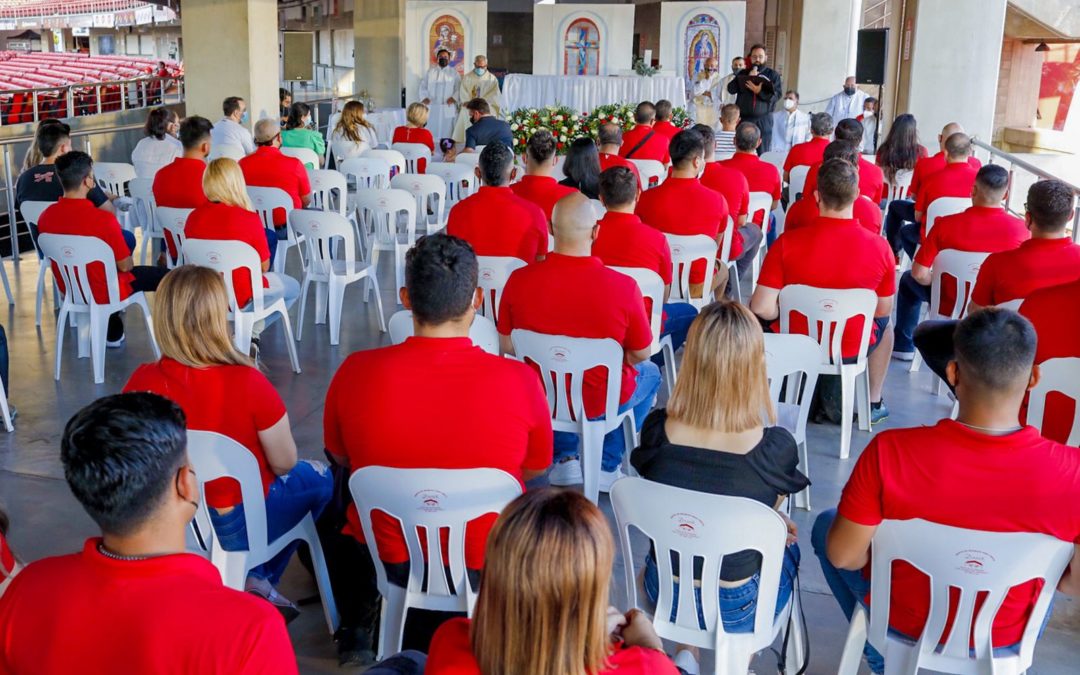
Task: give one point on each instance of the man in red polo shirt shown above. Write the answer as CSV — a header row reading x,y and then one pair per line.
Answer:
x,y
871,177
724,179
760,176
810,153
955,180
835,252
663,126
571,293
495,221
982,471
682,206
805,211
134,599
644,142
179,183
491,413
610,140
75,214
267,167
537,185
985,227
1054,313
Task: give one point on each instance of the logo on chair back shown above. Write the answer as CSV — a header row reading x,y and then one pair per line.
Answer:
x,y
686,525
214,257
974,268
828,305
415,185
430,500
676,250
314,225
973,561
67,252
487,274
382,202
559,354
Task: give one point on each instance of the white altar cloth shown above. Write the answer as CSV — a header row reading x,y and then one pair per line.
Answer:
x,y
584,93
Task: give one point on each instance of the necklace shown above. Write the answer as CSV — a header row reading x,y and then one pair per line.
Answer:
x,y
116,556
990,430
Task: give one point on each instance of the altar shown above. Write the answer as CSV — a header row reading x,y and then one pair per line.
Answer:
x,y
585,93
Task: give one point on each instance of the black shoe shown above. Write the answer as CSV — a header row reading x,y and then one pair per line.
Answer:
x,y
354,647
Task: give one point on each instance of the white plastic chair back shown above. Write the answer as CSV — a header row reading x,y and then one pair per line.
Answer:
x,y
598,206
413,153
427,503
775,157
454,175
1014,305
142,193
173,220
113,176
945,206
968,562
652,289
367,172
383,207
265,200
962,267
1062,376
482,332
429,192
900,184
307,156
331,124
329,190
685,251
794,358
797,180
73,256
828,311
493,274
759,201
651,171
217,151
31,211
391,157
702,529
468,159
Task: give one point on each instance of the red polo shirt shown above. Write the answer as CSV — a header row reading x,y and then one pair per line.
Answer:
x,y
928,166
267,167
579,297
607,161
624,241
179,184
805,211
943,473
1055,313
169,615
235,401
807,153
80,217
223,222
683,206
831,253
871,181
499,223
543,191
7,559
955,180
760,176
469,384
730,183
654,148
979,228
666,129
1034,264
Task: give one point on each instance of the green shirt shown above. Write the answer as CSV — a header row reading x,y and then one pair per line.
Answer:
x,y
304,138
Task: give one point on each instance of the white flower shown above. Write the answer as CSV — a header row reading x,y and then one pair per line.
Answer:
x,y
516,141
514,127
615,120
564,130
532,111
562,139
574,118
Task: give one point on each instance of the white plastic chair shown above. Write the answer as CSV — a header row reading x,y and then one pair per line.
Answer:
x,y
329,274
776,158
308,157
31,213
391,157
173,221
113,177
828,311
73,256
430,193
454,175
945,206
564,361
329,191
1062,376
704,528
143,208
899,187
482,332
492,276
797,180
652,289
413,153
217,456
226,257
686,250
468,159
963,268
795,357
382,210
970,562
366,172
760,201
426,502
228,150
265,200
649,170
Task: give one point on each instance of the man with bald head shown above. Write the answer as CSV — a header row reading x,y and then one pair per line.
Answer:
x,y
708,93
572,293
267,167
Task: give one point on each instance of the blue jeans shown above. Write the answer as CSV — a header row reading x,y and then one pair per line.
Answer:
x,y
772,234
738,605
910,297
271,243
648,383
129,239
900,211
306,489
910,236
679,317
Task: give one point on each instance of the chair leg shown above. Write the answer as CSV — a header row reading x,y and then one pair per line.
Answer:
x,y
802,498
335,289
391,621
592,452
796,650
373,285
322,577
862,399
374,267
61,322
145,247
290,343
321,291
149,326
99,327
847,395
7,284
916,362
303,305
43,264
670,373
4,409
242,330
851,657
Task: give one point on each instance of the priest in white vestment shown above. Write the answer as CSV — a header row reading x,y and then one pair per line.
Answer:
x,y
438,91
737,64
707,94
477,83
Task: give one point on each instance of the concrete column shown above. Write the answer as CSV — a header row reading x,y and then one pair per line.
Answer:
x,y
955,58
822,48
230,49
379,61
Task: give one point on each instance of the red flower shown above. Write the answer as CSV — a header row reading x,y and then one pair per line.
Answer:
x,y
559,146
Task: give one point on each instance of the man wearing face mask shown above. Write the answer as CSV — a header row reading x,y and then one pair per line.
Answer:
x,y
869,123
790,126
477,83
756,89
847,104
438,89
707,88
737,64
231,129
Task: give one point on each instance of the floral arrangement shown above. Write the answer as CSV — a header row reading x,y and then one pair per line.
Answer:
x,y
563,122
623,115
643,69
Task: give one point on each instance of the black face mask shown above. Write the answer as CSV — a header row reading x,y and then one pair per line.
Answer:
x,y
443,63
849,90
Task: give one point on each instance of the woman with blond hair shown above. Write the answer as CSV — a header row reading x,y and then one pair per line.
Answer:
x,y
543,603
220,390
415,131
353,135
712,438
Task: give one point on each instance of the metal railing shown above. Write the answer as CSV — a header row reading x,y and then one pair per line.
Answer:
x,y
22,106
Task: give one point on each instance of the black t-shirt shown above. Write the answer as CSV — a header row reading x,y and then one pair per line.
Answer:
x,y
765,473
41,183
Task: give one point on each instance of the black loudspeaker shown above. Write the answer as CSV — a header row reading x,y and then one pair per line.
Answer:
x,y
873,53
299,46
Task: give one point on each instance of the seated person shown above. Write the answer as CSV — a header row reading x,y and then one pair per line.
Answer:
x,y
835,252
724,179
75,214
159,146
812,151
730,117
711,438
663,125
563,543
643,141
805,211
232,129
538,185
179,184
9,565
571,293
267,167
353,135
871,177
415,131
468,383
284,103
220,390
1053,312
943,473
486,129
298,132
582,167
610,139
494,220
985,227
760,176
134,596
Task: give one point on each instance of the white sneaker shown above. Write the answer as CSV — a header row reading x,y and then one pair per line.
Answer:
x,y
566,473
685,660
608,478
903,356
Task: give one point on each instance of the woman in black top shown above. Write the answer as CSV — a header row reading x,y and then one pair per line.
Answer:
x,y
582,167
712,438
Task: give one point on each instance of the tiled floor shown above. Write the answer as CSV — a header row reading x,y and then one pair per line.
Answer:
x,y
46,520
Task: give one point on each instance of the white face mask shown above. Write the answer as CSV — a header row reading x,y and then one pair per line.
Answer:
x,y
789,104
868,113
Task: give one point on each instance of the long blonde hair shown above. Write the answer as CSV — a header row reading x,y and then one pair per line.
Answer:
x,y
190,315
722,382
223,182
352,116
544,594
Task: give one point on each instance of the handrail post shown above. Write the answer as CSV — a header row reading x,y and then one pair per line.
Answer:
x,y
98,89
13,227
35,104
70,101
